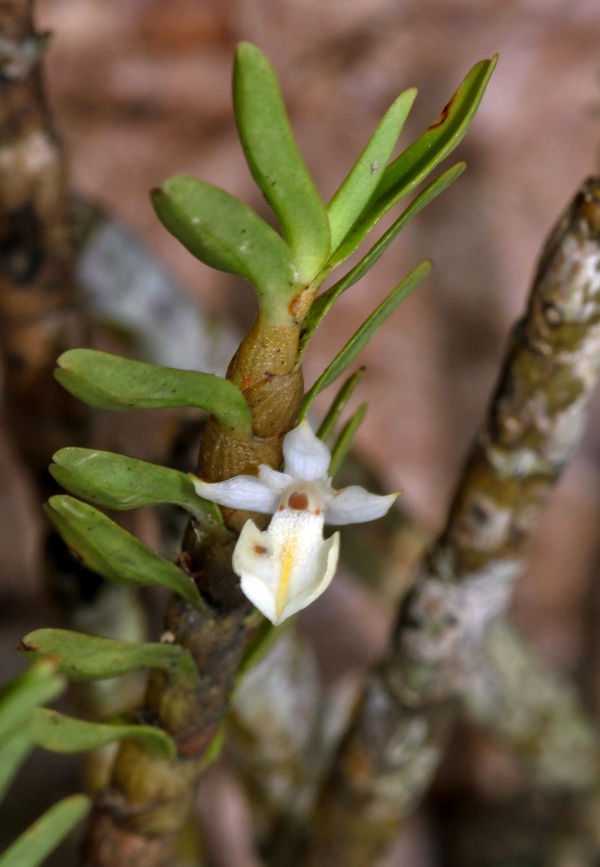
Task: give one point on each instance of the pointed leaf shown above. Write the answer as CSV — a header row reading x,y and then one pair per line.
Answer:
x,y
361,337
275,162
90,657
344,441
213,750
64,734
419,160
112,552
353,195
339,402
226,234
33,847
118,482
14,749
323,302
110,382
37,685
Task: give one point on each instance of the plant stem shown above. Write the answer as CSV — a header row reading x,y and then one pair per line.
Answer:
x,y
143,809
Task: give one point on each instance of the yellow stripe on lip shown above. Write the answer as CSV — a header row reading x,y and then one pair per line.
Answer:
x,y
287,565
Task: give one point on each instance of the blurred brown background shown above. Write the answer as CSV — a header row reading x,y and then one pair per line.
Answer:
x,y
141,90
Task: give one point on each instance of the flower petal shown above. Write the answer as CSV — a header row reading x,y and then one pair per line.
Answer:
x,y
240,492
306,457
285,568
275,481
354,505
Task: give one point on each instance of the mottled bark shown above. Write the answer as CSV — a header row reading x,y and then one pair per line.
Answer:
x,y
535,712
274,735
38,311
465,582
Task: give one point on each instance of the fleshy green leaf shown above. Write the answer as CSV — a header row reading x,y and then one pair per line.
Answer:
x,y
226,234
33,847
323,302
110,382
14,749
38,684
90,657
361,337
112,552
275,162
339,402
419,160
344,441
357,189
64,734
118,482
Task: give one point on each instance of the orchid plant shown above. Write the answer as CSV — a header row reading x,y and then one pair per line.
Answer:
x,y
257,415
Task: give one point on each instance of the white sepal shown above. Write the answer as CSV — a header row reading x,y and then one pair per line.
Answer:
x,y
286,567
305,456
240,492
354,505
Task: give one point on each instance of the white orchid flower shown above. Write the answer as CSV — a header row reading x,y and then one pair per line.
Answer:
x,y
286,567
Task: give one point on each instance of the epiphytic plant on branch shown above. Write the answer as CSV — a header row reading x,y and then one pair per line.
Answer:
x,y
256,548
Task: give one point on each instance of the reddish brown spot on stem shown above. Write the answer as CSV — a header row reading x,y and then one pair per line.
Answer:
x,y
298,500
260,549
295,304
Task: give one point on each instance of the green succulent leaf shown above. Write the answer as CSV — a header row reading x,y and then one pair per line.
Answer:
x,y
14,749
90,657
361,337
339,402
323,302
38,684
118,482
344,441
226,234
111,382
33,847
112,552
64,734
275,162
353,195
414,164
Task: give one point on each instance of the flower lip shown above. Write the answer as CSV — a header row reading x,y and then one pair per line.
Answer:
x,y
286,567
